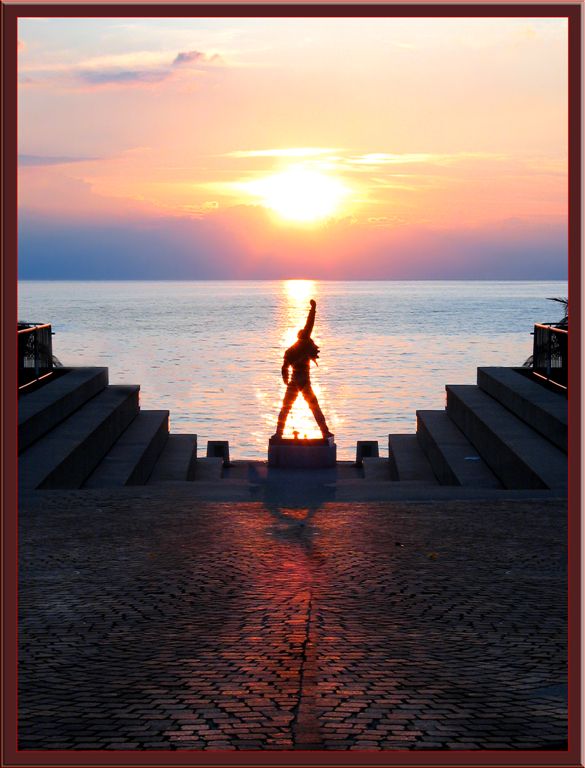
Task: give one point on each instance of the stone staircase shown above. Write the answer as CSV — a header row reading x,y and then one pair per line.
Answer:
x,y
507,432
79,431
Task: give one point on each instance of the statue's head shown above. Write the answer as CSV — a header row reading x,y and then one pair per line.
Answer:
x,y
303,334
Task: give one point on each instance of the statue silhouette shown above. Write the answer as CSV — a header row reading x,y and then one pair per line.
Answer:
x,y
298,357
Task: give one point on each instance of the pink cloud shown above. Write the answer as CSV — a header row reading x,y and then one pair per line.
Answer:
x,y
105,72
123,76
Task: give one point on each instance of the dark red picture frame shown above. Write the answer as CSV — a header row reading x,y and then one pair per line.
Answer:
x,y
11,12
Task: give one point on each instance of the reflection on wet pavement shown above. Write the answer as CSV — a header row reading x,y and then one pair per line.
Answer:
x,y
291,622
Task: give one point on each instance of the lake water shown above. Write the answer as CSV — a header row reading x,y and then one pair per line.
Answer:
x,y
210,352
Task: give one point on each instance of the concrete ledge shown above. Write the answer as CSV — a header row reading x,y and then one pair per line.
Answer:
x,y
518,456
132,458
543,410
302,454
69,453
453,458
43,409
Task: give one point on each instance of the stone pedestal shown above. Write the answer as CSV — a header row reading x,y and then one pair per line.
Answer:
x,y
320,453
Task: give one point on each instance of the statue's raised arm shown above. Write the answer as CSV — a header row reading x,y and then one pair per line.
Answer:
x,y
308,329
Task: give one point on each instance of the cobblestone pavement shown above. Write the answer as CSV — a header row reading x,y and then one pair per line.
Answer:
x,y
150,620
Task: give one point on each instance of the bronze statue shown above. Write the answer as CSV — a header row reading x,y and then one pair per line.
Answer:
x,y
298,357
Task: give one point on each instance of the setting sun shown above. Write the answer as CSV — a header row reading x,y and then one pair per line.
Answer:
x,y
300,194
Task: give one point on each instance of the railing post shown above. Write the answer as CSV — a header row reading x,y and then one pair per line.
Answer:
x,y
36,353
550,354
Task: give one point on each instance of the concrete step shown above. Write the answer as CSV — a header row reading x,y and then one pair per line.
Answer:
x,y
209,469
453,458
68,454
408,463
131,459
177,460
376,468
41,410
516,454
541,409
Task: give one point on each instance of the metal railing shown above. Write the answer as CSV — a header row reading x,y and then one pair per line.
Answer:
x,y
550,354
35,352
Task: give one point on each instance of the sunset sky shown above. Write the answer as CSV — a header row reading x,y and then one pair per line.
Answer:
x,y
320,148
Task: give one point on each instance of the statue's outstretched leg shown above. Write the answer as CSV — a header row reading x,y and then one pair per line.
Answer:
x,y
287,403
313,404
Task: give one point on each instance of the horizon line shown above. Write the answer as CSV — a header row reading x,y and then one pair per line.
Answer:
x,y
286,279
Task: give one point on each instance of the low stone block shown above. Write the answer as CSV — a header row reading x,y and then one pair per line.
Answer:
x,y
366,449
219,449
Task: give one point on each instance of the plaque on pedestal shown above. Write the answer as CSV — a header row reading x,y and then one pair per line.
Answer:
x,y
318,453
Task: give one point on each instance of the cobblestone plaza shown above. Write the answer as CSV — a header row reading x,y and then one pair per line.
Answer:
x,y
150,619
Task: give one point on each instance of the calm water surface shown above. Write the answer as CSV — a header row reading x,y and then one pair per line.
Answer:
x,y
211,352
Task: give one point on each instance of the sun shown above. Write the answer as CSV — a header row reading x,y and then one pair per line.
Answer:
x,y
300,194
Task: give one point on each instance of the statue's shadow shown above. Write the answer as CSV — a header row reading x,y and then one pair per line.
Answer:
x,y
293,499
